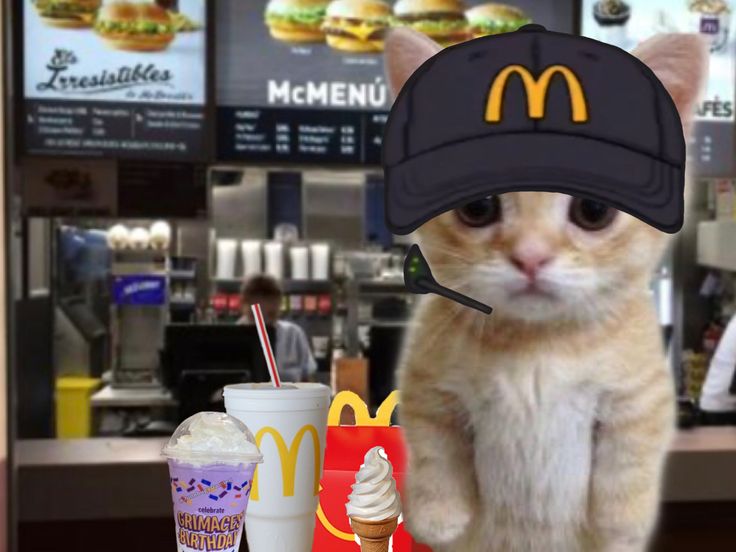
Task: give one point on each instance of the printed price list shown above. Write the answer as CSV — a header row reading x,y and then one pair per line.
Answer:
x,y
299,136
103,129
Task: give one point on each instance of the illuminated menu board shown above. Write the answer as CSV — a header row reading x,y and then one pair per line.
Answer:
x,y
303,82
115,79
627,23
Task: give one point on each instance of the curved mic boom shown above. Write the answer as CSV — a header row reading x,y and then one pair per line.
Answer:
x,y
418,279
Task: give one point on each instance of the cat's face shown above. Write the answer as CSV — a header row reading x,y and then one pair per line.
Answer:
x,y
549,257
541,256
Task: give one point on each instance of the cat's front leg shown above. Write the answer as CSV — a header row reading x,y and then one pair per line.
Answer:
x,y
440,489
636,426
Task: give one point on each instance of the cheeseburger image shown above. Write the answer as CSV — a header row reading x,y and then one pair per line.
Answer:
x,y
609,13
69,14
490,19
135,27
357,25
296,20
441,20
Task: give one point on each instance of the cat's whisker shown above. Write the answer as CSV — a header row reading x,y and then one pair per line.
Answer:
x,y
443,324
461,283
452,264
480,323
454,253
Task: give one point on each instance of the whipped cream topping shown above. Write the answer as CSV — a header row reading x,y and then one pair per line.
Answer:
x,y
212,437
374,496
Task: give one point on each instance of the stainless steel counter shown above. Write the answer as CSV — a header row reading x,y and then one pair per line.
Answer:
x,y
122,478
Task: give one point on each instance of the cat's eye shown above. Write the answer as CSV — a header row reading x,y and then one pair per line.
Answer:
x,y
481,212
591,215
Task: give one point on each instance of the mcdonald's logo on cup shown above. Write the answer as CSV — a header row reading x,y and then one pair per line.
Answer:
x,y
290,427
536,92
289,455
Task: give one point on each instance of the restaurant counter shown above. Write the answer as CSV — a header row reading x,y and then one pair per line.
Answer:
x,y
93,479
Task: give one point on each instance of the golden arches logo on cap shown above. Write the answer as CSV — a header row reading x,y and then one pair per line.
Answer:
x,y
536,92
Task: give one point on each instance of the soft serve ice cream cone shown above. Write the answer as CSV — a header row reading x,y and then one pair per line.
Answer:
x,y
374,506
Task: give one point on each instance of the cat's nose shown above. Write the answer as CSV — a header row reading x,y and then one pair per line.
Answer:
x,y
529,263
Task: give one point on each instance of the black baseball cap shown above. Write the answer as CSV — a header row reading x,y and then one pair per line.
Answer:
x,y
534,110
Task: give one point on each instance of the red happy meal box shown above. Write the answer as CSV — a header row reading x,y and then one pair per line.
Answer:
x,y
346,447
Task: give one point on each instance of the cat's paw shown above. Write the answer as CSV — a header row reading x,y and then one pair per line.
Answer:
x,y
438,522
622,544
622,547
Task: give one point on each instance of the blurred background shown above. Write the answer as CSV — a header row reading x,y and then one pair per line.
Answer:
x,y
148,171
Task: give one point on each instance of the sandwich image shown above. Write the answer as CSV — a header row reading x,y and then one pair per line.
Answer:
x,y
135,27
491,18
68,14
296,20
711,7
182,23
70,185
441,20
611,12
357,25
712,19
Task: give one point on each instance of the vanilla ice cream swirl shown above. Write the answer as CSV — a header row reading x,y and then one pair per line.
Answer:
x,y
374,495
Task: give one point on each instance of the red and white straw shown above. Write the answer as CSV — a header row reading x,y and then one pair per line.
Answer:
x,y
266,345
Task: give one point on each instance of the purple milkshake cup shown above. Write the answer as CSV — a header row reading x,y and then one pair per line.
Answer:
x,y
212,457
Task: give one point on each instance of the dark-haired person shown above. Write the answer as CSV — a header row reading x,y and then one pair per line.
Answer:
x,y
293,355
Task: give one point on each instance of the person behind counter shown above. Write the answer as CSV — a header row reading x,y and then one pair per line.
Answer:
x,y
293,355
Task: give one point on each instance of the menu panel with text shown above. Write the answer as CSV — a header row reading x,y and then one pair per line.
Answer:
x,y
115,78
627,23
303,82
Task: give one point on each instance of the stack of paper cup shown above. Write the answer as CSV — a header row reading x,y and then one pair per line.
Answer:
x,y
275,259
290,425
252,262
299,262
226,255
320,261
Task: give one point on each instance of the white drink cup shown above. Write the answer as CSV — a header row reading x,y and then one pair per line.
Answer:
x,y
226,255
320,261
275,259
299,263
290,425
252,262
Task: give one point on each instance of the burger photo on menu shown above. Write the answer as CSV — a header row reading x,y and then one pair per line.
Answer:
x,y
611,12
67,14
357,25
322,98
441,20
492,18
134,51
132,84
135,27
296,20
712,19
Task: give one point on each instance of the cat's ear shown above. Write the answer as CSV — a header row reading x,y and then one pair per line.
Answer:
x,y
680,61
406,50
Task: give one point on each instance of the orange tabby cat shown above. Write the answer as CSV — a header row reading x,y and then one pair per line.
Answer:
x,y
543,427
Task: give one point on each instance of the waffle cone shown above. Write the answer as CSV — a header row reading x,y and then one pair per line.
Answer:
x,y
374,535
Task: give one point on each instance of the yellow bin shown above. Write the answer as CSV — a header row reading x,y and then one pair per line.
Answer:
x,y
73,409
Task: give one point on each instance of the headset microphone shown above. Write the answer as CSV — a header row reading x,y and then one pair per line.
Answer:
x,y
418,279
